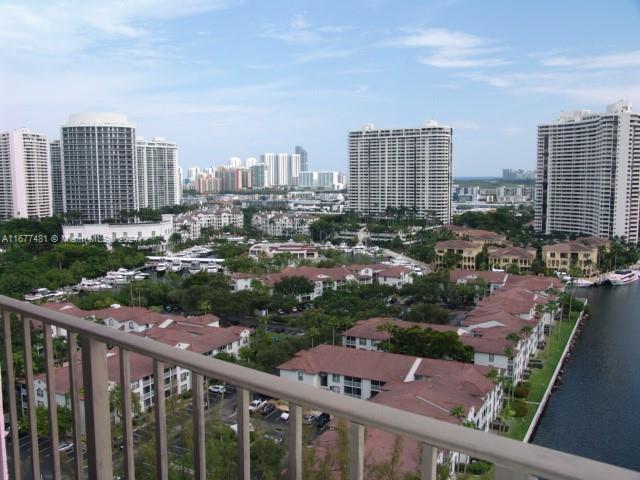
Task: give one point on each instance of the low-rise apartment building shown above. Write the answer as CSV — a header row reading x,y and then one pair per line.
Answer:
x,y
119,232
299,251
283,224
483,237
573,254
465,253
324,279
506,257
190,224
493,280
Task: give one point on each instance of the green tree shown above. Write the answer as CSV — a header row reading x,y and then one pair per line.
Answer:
x,y
428,313
425,342
293,286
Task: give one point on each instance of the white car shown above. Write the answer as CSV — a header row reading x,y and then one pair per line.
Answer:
x,y
66,447
217,389
255,405
284,416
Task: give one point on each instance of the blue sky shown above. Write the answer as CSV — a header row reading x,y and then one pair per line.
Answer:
x,y
237,78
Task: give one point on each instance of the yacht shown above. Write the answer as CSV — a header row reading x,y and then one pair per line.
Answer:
x,y
176,266
161,267
92,286
583,282
140,276
194,267
623,277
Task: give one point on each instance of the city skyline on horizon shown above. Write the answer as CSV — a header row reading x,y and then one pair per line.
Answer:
x,y
222,83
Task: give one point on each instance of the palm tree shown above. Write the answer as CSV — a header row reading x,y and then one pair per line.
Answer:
x,y
205,306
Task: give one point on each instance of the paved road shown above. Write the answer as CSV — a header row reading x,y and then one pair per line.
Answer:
x,y
426,268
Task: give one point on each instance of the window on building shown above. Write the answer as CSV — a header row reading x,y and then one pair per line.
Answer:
x,y
40,392
335,378
362,341
376,386
491,356
300,376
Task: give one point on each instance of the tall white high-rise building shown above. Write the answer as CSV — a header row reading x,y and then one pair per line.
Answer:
x,y
99,166
282,169
25,175
193,172
406,168
294,169
250,162
588,173
235,162
270,161
56,177
158,173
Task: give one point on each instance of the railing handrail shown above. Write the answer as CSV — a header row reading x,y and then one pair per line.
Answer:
x,y
536,460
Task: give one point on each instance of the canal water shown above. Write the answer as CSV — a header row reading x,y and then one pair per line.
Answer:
x,y
596,411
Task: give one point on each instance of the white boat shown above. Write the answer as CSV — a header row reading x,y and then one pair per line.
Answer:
x,y
194,267
583,283
92,286
125,273
623,277
140,276
161,267
176,266
212,268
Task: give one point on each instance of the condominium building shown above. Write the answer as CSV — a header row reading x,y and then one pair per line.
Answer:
x,y
588,173
401,167
25,175
158,178
56,177
329,179
258,175
464,254
99,166
304,159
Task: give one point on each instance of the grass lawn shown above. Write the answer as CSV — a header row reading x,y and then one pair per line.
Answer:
x,y
540,377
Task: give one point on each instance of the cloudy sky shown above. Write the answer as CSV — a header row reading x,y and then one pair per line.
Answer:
x,y
229,78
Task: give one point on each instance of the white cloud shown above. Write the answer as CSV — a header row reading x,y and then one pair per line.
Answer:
x,y
322,54
450,48
614,60
64,27
301,31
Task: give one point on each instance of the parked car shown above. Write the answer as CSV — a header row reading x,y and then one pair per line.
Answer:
x,y
65,447
217,389
322,420
255,405
267,408
284,416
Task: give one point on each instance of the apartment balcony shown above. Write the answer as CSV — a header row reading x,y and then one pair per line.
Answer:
x,y
512,460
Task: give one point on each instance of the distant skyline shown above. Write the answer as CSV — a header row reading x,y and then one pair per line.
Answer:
x,y
226,78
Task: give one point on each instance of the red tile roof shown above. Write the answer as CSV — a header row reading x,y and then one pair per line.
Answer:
x,y
471,275
382,366
369,328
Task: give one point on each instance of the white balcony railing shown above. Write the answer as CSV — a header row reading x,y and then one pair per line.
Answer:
x,y
513,460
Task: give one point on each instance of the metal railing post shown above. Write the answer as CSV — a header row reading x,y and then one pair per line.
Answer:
x,y
96,401
162,454
74,399
429,462
199,451
295,442
356,452
52,402
127,414
244,454
31,396
11,393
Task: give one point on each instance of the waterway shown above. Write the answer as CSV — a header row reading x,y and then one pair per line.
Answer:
x,y
596,411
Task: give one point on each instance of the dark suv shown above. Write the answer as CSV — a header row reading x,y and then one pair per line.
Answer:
x,y
322,420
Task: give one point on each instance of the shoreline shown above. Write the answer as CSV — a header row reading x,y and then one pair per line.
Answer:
x,y
552,381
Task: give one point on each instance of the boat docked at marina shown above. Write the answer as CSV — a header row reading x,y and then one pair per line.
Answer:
x,y
176,266
623,277
161,267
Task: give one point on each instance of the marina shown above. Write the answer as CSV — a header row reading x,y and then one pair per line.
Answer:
x,y
592,412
